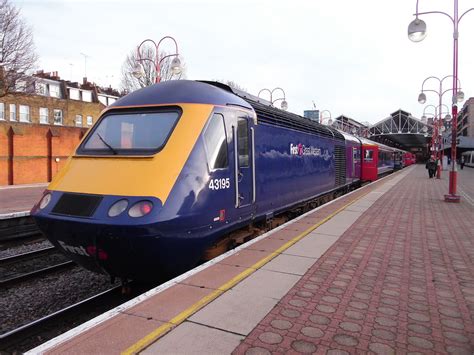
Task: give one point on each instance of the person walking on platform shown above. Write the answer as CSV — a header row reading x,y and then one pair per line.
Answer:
x,y
431,166
462,162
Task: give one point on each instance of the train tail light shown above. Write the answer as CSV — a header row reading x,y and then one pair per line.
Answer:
x,y
92,251
140,209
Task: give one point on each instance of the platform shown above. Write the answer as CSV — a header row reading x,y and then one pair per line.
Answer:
x,y
387,269
17,200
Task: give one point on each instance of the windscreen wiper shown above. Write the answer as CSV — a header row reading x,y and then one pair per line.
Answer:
x,y
107,144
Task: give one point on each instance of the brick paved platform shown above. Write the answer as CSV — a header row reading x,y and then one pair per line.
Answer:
x,y
400,281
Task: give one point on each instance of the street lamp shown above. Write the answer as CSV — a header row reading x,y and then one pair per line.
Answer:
x,y
175,63
329,121
416,33
435,141
284,103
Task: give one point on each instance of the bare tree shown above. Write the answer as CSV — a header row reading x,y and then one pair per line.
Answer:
x,y
131,83
17,51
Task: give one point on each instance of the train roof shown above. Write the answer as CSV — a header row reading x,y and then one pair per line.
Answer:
x,y
181,91
214,93
276,117
349,137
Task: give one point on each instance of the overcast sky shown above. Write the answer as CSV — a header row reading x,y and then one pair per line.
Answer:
x,y
349,57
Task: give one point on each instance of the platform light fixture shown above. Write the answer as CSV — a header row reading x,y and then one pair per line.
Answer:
x,y
416,33
283,104
438,114
417,30
175,66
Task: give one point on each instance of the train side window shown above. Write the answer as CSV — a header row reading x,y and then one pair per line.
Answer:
x,y
355,154
369,155
243,142
216,143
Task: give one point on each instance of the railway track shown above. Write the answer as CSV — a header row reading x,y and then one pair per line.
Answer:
x,y
18,268
36,332
19,231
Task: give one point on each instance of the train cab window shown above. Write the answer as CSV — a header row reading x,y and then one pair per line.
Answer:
x,y
243,142
134,133
216,143
369,155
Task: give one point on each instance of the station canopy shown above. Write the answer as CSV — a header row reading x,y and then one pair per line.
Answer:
x,y
401,130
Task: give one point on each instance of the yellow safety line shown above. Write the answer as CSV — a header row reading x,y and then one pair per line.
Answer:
x,y
160,331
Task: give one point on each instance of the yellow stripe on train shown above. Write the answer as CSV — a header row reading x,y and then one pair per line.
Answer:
x,y
136,176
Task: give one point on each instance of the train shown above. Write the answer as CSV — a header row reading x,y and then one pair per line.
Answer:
x,y
468,158
175,171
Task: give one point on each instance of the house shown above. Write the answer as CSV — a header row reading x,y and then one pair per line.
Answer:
x,y
42,122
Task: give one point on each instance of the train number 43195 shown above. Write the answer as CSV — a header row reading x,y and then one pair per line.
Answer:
x,y
219,184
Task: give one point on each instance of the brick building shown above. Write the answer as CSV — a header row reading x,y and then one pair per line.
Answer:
x,y
41,125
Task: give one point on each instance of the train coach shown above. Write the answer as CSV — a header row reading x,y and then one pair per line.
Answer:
x,y
468,158
170,171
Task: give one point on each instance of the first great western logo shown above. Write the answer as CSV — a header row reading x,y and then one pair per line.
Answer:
x,y
302,150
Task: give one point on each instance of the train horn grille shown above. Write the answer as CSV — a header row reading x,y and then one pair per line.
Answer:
x,y
340,164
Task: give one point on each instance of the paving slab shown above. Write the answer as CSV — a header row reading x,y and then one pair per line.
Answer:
x,y
214,276
169,303
338,224
267,283
313,246
116,335
191,338
235,312
291,264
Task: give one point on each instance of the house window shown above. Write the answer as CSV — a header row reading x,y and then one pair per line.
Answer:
x,y
87,96
2,111
74,94
53,90
58,117
24,113
78,120
103,100
12,112
44,115
89,120
41,88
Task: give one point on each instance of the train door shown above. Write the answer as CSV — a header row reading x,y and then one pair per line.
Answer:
x,y
244,162
369,162
355,162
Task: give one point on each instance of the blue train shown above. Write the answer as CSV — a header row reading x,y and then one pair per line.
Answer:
x,y
176,172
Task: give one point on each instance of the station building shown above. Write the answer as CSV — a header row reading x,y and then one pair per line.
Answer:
x,y
42,123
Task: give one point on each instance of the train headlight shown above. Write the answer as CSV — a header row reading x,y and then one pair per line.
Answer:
x,y
140,209
117,208
45,201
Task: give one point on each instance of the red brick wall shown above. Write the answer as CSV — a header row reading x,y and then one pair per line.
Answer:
x,y
28,151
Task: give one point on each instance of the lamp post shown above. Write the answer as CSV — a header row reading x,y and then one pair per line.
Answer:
x,y
438,128
284,103
438,120
175,63
416,33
